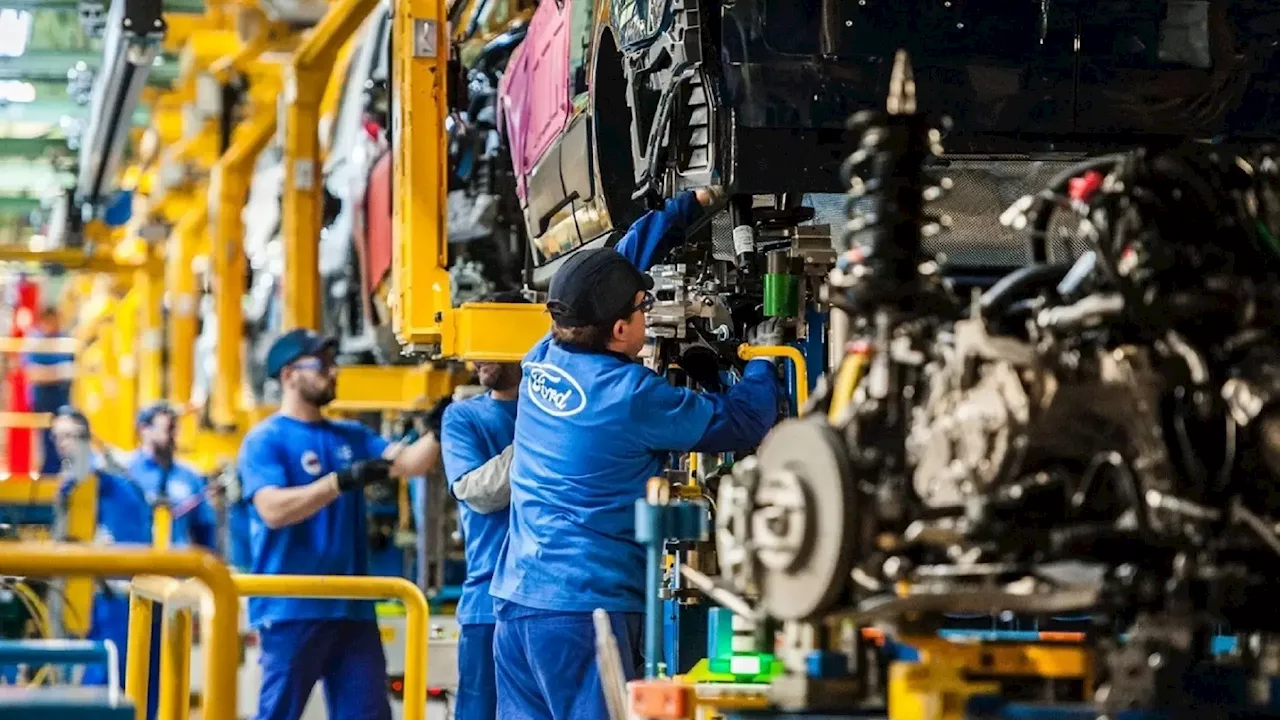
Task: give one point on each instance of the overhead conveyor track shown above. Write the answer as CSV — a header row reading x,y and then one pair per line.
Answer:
x,y
135,29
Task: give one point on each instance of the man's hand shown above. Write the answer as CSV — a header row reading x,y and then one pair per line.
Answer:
x,y
709,196
363,473
766,333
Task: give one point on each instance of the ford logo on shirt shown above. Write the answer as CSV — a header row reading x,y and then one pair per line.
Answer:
x,y
554,390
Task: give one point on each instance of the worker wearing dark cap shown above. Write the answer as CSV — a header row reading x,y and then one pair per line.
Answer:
x,y
156,470
593,427
303,478
476,436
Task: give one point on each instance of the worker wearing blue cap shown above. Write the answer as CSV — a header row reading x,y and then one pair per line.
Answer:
x,y
593,427
123,517
476,436
164,479
303,478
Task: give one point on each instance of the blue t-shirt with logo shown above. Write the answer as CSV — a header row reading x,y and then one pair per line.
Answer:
x,y
194,520
285,452
473,432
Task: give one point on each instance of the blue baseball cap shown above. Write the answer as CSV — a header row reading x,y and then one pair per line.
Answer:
x,y
152,411
594,286
293,345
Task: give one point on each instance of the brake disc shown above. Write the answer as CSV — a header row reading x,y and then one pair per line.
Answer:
x,y
802,521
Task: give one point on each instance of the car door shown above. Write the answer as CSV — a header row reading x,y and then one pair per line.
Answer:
x,y
536,108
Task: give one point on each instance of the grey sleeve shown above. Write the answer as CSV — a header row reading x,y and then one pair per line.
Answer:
x,y
487,489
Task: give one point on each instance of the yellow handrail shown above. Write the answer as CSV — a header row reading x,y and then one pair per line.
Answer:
x,y
179,598
362,588
48,560
751,352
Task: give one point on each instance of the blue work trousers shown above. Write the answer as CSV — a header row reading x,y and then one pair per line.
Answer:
x,y
346,654
477,684
546,665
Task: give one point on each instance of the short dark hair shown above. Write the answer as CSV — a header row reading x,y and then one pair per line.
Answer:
x,y
588,337
149,414
74,415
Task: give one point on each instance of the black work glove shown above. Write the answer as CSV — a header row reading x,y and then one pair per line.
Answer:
x,y
363,473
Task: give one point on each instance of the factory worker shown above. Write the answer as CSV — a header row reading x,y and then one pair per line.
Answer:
x,y
194,518
303,479
593,427
476,436
123,517
49,376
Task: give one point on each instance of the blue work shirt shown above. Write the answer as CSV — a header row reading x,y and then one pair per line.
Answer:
x,y
48,397
194,520
285,452
592,429
473,432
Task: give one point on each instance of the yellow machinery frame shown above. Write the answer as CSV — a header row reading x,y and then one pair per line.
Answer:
x,y
304,88
82,525
47,560
422,308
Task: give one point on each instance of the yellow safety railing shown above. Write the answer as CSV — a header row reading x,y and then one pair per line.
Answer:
x,y
48,560
362,588
749,352
178,598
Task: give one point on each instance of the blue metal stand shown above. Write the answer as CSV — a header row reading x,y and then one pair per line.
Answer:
x,y
655,525
64,703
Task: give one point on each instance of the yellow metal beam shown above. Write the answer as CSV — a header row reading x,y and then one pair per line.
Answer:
x,y
493,332
371,388
28,420
150,289
305,81
231,177
82,525
420,282
422,310
94,262
180,282
54,345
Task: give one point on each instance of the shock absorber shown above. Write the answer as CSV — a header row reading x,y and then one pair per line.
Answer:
x,y
744,233
889,189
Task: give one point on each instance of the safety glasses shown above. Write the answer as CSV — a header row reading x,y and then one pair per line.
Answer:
x,y
645,305
314,364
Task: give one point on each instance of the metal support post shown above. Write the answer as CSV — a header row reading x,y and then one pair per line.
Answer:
x,y
304,85
180,282
137,665
175,665
150,289
230,184
659,519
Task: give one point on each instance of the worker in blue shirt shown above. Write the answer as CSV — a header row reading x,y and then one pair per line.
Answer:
x,y
49,380
303,478
194,519
476,436
593,427
123,517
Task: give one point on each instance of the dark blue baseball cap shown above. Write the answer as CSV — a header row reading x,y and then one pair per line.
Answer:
x,y
593,287
154,410
293,345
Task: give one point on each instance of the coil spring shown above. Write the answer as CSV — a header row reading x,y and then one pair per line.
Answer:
x,y
889,190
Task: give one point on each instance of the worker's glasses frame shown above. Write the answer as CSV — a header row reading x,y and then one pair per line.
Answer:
x,y
645,305
315,364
